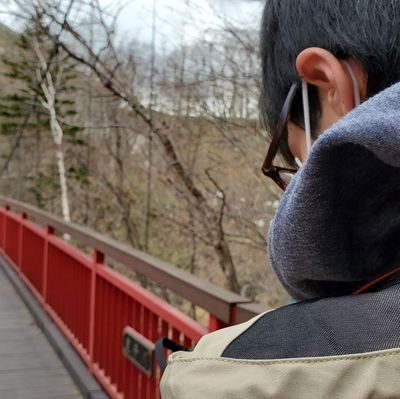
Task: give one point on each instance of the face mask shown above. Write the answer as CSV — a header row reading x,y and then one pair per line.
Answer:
x,y
306,106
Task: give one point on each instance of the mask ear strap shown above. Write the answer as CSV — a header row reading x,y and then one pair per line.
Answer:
x,y
306,110
356,88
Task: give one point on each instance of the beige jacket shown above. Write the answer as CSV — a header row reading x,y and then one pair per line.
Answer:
x,y
204,374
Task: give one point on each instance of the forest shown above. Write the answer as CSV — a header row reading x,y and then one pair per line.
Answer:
x,y
158,148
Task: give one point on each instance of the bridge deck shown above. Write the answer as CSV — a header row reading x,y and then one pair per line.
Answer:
x,y
29,367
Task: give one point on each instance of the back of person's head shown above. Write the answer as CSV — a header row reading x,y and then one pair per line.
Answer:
x,y
367,31
338,224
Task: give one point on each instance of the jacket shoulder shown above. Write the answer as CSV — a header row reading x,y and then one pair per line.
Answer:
x,y
215,343
336,348
355,376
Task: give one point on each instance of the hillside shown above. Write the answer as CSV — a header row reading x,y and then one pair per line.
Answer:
x,y
7,50
6,33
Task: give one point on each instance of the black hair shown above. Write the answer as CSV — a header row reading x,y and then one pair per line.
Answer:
x,y
366,30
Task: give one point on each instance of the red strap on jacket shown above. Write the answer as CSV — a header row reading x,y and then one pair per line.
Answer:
x,y
376,281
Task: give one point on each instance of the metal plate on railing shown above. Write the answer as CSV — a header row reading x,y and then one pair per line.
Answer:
x,y
139,350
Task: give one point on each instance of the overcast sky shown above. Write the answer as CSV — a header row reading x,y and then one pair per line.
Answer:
x,y
178,21
183,20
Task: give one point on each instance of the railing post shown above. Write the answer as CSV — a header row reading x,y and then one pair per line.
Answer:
x,y
49,231
20,242
98,259
4,243
215,324
3,228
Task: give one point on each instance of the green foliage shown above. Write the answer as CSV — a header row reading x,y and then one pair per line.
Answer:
x,y
80,174
43,186
8,129
23,70
72,135
67,102
44,183
73,131
40,124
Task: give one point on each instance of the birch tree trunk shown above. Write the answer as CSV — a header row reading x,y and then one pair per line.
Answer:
x,y
48,101
57,134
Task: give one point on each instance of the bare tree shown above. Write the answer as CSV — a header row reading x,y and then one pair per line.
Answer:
x,y
108,71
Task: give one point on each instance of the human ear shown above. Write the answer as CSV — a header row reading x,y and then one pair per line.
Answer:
x,y
322,69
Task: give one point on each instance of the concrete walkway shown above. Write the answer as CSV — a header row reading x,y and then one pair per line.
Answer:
x,y
29,366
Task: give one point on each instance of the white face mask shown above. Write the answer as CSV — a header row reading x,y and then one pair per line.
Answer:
x,y
306,106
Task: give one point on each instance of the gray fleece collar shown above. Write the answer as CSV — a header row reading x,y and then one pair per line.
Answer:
x,y
338,223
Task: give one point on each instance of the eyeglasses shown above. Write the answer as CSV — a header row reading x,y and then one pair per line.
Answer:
x,y
280,175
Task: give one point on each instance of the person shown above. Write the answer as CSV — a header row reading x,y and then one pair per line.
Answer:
x,y
331,101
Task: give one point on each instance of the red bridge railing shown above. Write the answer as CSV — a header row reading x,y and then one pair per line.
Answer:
x,y
92,303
